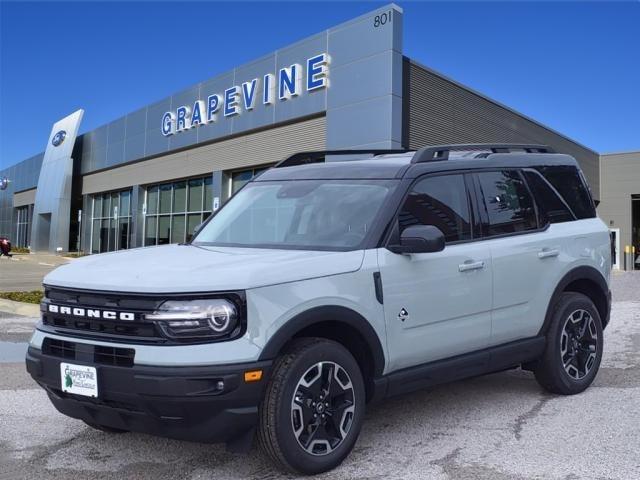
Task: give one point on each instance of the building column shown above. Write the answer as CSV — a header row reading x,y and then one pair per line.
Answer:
x,y
218,190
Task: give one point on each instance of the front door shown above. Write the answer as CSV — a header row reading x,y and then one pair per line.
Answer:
x,y
437,305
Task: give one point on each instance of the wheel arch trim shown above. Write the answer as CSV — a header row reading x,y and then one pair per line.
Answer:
x,y
332,313
584,272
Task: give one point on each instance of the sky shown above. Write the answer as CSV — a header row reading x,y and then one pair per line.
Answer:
x,y
574,66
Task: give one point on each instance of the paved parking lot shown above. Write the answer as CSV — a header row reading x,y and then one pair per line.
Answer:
x,y
25,272
497,427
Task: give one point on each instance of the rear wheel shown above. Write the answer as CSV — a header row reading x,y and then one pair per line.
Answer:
x,y
313,407
574,346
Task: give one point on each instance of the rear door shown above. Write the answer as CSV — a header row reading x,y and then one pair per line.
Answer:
x,y
524,251
437,305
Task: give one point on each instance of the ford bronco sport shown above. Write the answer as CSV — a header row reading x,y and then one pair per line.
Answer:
x,y
333,279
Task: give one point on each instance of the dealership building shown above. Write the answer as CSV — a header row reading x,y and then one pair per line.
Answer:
x,y
153,175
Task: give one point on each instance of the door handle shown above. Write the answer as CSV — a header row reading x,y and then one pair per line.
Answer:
x,y
548,252
467,266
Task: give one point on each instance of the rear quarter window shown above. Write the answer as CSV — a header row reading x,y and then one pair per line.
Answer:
x,y
574,190
551,208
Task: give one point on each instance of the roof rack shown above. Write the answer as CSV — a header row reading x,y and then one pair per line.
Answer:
x,y
304,158
441,152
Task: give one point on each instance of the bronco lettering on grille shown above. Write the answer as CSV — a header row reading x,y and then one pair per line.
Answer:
x,y
91,313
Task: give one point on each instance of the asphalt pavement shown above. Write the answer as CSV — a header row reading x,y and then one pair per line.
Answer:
x,y
25,272
497,427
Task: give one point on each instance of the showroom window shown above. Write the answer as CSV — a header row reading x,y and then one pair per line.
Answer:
x,y
240,178
23,224
174,210
111,221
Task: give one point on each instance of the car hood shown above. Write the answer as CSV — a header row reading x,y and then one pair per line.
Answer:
x,y
188,268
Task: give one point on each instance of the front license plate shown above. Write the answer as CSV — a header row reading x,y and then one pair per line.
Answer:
x,y
79,379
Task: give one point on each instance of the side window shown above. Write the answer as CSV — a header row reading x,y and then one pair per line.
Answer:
x,y
569,183
441,201
551,209
508,202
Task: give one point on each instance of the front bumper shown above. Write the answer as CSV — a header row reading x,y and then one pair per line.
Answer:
x,y
185,403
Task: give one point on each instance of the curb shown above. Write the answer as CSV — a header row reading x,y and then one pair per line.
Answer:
x,y
19,308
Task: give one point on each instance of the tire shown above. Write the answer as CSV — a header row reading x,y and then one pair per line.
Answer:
x,y
104,428
288,432
574,346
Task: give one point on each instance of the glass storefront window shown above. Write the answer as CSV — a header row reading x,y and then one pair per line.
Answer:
x,y
150,231
165,199
182,207
152,200
195,195
164,229
240,178
179,196
23,226
177,229
110,227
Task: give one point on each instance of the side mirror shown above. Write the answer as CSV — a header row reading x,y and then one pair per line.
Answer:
x,y
420,239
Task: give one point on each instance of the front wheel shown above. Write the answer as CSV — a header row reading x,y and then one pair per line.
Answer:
x,y
574,346
313,408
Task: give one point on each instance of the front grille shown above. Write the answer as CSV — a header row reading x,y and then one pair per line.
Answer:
x,y
82,314
82,352
102,327
137,330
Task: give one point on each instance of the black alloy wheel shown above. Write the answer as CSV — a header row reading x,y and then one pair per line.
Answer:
x,y
579,344
574,345
322,408
313,407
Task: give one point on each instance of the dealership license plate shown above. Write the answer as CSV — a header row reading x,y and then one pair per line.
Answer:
x,y
79,379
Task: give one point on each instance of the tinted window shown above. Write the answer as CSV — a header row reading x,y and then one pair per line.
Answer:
x,y
551,208
508,202
441,201
568,182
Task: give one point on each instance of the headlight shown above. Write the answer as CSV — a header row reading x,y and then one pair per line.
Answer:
x,y
197,319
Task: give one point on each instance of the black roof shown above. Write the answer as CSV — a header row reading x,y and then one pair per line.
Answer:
x,y
406,164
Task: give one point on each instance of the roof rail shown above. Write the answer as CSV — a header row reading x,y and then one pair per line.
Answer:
x,y
304,158
441,152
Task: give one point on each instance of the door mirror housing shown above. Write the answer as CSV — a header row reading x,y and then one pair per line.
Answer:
x,y
420,239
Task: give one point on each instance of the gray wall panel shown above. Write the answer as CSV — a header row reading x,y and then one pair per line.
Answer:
x,y
442,111
620,179
265,146
27,197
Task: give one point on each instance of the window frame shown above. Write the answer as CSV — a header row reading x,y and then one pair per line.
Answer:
x,y
392,237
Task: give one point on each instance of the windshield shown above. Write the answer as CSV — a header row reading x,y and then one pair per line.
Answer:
x,y
305,214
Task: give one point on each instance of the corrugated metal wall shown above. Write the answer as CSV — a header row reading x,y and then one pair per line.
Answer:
x,y
265,146
441,111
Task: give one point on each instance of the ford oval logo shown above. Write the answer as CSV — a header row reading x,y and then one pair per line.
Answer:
x,y
58,138
4,183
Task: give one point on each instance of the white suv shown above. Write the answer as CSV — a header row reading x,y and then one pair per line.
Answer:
x,y
330,280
